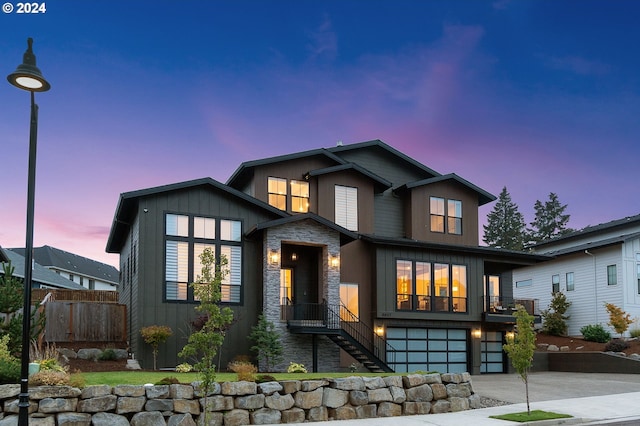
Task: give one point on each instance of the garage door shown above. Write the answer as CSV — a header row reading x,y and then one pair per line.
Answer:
x,y
491,354
421,349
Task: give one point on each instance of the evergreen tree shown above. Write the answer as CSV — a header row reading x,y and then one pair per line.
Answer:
x,y
267,343
550,221
505,226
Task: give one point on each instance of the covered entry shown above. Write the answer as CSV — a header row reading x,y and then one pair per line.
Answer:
x,y
433,349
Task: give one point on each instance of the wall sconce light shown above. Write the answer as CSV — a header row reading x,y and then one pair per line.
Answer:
x,y
510,336
334,261
274,257
294,257
380,330
477,333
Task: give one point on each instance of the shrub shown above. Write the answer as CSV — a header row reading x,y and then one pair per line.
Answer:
x,y
595,333
185,367
634,332
296,368
9,371
245,370
264,378
554,319
108,355
616,345
50,378
51,364
618,319
168,381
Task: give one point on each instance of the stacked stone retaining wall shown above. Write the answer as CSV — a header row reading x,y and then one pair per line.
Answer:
x,y
242,403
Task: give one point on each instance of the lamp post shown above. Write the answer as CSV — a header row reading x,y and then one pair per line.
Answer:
x,y
28,77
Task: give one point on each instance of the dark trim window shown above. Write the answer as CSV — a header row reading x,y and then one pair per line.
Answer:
x,y
186,238
555,283
299,196
425,286
452,213
570,281
612,275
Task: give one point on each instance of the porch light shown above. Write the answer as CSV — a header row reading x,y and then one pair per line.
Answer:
x,y
274,257
380,330
294,257
334,261
510,336
477,333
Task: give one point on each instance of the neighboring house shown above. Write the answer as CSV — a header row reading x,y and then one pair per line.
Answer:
x,y
356,252
88,273
593,266
41,276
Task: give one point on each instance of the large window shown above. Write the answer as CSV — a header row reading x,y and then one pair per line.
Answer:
x,y
452,213
349,298
277,189
299,196
346,205
438,287
612,275
186,238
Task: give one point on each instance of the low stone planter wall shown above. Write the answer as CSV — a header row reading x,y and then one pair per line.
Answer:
x,y
242,403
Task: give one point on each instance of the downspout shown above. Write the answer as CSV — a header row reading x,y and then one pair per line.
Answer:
x,y
595,283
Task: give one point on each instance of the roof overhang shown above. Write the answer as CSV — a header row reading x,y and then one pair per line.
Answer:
x,y
346,236
380,184
484,197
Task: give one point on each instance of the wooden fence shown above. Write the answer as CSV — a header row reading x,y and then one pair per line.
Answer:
x,y
102,296
85,322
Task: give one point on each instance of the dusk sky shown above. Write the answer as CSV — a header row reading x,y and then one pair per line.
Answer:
x,y
538,96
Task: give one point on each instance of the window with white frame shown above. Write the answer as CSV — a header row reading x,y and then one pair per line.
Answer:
x,y
186,238
612,274
346,207
555,283
570,281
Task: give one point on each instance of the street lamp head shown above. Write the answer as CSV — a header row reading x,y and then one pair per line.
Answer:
x,y
27,75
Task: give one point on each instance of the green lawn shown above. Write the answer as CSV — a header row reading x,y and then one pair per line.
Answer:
x,y
534,416
144,377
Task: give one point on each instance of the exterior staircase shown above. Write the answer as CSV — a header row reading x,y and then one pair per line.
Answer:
x,y
344,329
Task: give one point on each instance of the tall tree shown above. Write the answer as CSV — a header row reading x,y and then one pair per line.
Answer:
x,y
550,220
505,226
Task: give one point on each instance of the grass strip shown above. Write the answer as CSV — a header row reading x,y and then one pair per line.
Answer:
x,y
534,416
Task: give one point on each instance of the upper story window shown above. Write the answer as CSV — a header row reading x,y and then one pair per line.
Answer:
x,y
451,210
638,270
437,287
612,275
570,281
277,188
186,237
299,196
555,283
346,206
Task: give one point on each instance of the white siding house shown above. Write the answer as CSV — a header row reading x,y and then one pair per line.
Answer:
x,y
596,265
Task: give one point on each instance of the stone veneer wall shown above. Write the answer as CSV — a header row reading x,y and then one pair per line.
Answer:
x,y
298,348
243,403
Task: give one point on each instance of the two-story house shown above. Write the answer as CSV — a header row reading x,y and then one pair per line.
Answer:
x,y
88,273
356,252
593,266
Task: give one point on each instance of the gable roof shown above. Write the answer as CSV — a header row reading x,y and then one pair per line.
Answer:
x,y
244,172
41,275
127,206
585,247
48,256
380,183
346,236
388,150
594,231
484,197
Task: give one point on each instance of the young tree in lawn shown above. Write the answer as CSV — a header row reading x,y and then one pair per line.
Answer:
x,y
206,342
267,342
550,220
155,335
521,346
505,226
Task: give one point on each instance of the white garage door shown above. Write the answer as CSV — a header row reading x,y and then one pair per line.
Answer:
x,y
421,349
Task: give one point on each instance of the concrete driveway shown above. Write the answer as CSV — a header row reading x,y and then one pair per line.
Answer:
x,y
552,385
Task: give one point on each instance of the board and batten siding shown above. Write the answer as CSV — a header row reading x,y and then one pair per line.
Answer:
x,y
590,281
